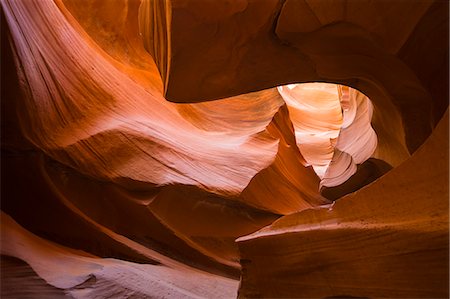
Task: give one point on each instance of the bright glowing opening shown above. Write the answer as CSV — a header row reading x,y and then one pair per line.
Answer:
x,y
332,128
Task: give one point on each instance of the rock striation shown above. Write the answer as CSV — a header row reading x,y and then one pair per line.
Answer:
x,y
389,239
194,148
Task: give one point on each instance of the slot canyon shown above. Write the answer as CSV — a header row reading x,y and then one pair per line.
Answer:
x,y
224,149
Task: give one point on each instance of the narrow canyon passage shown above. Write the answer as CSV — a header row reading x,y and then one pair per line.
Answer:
x,y
223,149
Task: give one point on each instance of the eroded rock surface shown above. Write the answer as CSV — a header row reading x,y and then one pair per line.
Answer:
x,y
389,239
140,139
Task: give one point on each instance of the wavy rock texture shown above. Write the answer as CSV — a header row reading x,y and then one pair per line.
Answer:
x,y
106,158
348,42
316,113
84,122
389,239
140,139
81,275
332,128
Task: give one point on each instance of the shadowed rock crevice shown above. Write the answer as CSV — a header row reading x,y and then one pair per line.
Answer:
x,y
20,281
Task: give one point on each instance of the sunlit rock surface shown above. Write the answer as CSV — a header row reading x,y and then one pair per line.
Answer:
x,y
387,240
140,139
332,128
316,113
348,42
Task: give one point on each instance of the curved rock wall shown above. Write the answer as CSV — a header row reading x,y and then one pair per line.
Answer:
x,y
140,139
389,239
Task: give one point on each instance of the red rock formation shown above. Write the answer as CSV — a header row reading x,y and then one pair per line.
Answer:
x,y
390,239
140,139
281,42
332,128
83,275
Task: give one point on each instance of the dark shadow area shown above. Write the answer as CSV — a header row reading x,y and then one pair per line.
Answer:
x,y
367,172
20,281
